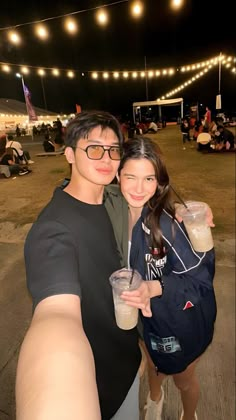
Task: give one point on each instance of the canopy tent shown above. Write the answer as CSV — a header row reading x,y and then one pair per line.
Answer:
x,y
13,112
161,102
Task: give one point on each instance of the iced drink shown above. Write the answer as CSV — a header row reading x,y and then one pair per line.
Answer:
x,y
126,316
194,218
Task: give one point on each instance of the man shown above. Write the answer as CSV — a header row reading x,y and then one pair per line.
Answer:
x,y
70,253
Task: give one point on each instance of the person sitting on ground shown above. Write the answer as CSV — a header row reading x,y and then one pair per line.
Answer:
x,y
198,128
224,138
7,159
152,127
50,146
204,141
21,156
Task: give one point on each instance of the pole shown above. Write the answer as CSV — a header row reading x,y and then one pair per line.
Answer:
x,y
218,97
44,95
146,77
220,72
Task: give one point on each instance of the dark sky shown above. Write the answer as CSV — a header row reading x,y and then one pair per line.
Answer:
x,y
164,37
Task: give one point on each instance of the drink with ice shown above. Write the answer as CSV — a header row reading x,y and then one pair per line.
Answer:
x,y
194,218
126,316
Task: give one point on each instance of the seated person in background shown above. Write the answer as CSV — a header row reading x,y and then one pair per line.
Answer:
x,y
204,140
198,128
21,156
212,129
152,127
7,158
224,138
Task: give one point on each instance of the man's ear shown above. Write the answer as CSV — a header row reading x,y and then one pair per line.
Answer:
x,y
70,155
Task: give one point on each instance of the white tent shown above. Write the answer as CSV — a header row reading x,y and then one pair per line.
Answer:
x,y
161,102
13,112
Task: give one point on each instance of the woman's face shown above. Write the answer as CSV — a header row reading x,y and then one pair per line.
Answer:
x,y
138,182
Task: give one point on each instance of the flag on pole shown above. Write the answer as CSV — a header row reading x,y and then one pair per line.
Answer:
x,y
30,109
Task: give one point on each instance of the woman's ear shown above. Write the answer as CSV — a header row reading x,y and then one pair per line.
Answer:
x,y
70,155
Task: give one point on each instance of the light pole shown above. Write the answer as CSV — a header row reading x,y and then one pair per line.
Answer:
x,y
44,94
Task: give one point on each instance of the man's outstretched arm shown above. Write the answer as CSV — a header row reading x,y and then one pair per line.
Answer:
x,y
56,374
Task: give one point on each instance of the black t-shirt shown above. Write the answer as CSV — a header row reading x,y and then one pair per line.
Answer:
x,y
71,249
5,159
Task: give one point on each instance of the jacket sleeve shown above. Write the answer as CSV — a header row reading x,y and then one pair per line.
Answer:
x,y
190,274
117,209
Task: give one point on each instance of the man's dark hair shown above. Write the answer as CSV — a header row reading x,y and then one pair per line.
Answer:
x,y
80,126
219,127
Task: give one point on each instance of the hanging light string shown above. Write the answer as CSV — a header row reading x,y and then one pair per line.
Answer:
x,y
227,61
62,16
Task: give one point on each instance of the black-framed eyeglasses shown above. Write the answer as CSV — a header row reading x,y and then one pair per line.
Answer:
x,y
96,151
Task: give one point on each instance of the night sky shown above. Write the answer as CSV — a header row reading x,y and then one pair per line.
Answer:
x,y
166,38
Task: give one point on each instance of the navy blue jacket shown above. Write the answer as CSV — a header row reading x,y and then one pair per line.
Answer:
x,y
182,324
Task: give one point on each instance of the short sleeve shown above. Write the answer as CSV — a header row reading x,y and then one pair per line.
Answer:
x,y
51,261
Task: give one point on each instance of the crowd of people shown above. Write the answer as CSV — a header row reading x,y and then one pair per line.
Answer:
x,y
209,133
75,362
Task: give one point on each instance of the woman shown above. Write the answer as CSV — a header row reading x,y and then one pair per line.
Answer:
x,y
179,326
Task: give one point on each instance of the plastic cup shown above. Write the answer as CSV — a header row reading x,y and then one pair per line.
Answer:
x,y
195,221
126,316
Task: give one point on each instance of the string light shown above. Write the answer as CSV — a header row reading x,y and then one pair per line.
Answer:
x,y
71,26
227,61
14,37
137,9
41,32
102,17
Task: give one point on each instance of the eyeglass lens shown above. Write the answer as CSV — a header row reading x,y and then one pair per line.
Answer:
x,y
97,152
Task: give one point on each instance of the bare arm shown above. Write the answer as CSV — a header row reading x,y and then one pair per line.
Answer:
x,y
55,373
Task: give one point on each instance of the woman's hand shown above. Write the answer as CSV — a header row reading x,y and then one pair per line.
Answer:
x,y
139,298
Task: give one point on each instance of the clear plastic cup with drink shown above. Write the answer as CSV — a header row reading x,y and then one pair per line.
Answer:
x,y
194,215
123,280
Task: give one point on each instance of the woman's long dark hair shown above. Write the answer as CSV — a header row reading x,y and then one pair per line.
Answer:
x,y
145,148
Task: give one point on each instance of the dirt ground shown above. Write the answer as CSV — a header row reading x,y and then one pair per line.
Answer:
x,y
194,175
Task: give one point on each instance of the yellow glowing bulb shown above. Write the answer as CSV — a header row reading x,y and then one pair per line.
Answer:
x,y
142,74
137,8
125,74
94,75
6,68
176,4
70,74
134,75
24,70
41,31
41,72
102,17
14,37
105,75
55,72
116,75
71,26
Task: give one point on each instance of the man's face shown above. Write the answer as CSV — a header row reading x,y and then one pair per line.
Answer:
x,y
96,171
